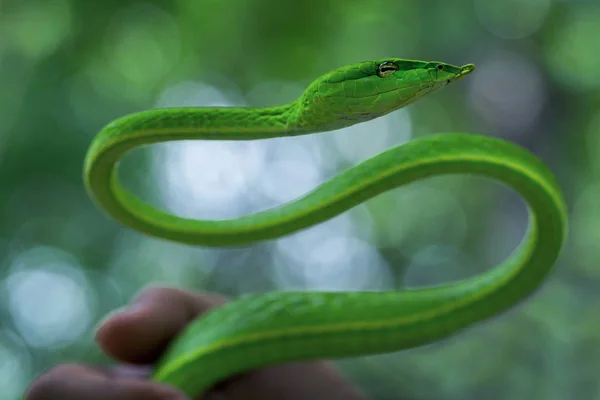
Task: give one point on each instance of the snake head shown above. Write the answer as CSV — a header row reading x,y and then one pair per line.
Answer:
x,y
370,89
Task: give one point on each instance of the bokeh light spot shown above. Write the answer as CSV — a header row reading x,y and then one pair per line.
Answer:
x,y
293,171
206,179
48,298
15,365
359,142
572,51
330,257
37,28
436,264
142,45
420,215
512,19
508,92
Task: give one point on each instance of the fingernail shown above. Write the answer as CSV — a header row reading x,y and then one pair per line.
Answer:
x,y
134,307
107,317
133,371
130,308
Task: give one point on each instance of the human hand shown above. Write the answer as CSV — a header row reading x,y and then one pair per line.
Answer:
x,y
138,335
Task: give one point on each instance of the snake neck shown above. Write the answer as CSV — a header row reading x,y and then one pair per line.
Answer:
x,y
208,123
271,120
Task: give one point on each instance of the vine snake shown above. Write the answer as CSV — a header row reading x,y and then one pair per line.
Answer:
x,y
257,330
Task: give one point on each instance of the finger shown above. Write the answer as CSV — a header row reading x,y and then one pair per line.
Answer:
x,y
77,382
140,333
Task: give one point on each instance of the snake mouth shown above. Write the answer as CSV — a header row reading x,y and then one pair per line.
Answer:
x,y
464,71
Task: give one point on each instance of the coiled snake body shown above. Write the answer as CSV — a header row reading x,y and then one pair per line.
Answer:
x,y
278,327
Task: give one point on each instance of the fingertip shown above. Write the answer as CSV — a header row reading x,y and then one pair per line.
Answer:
x,y
71,381
139,333
134,335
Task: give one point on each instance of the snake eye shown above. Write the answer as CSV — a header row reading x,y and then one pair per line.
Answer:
x,y
440,67
387,68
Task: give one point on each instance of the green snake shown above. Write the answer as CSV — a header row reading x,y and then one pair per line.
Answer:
x,y
258,330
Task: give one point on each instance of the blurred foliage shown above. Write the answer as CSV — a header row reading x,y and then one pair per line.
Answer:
x,y
68,67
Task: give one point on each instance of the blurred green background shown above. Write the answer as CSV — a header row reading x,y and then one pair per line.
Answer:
x,y
69,67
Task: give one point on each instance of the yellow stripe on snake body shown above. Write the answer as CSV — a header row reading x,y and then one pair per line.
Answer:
x,y
279,327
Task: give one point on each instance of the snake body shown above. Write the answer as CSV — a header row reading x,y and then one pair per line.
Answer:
x,y
266,329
